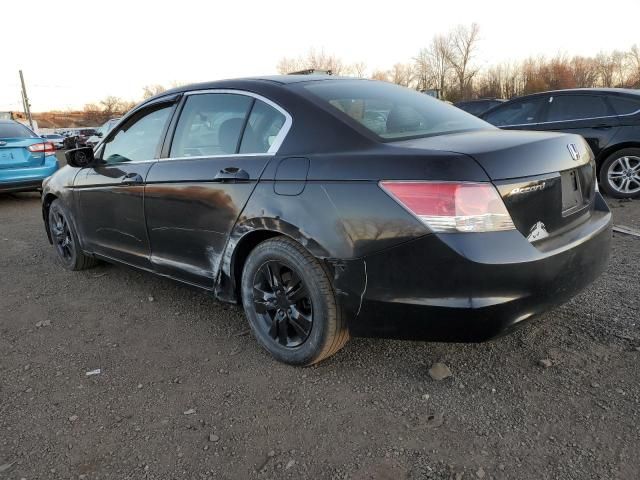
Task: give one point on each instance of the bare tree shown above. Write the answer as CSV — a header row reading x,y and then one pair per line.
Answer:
x,y
605,68
463,45
93,114
149,91
380,75
401,74
634,67
432,66
359,69
288,65
585,71
111,105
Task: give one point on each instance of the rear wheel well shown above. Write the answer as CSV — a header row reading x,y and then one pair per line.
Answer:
x,y
607,152
241,253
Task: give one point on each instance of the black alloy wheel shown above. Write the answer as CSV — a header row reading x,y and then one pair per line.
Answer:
x,y
282,302
61,236
65,239
290,303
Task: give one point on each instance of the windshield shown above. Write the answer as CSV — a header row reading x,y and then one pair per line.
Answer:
x,y
15,130
392,112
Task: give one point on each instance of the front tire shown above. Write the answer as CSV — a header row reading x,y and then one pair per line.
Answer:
x,y
620,174
65,239
290,304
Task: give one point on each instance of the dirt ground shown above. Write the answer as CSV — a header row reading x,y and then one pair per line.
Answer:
x,y
185,392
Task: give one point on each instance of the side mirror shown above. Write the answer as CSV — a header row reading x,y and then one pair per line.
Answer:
x,y
99,134
79,157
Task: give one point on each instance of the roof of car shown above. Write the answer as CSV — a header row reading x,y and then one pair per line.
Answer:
x,y
277,79
246,82
630,91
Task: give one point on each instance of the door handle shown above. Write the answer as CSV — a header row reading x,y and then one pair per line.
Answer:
x,y
231,174
131,178
602,126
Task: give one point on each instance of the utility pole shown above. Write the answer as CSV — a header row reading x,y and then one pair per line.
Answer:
x,y
25,101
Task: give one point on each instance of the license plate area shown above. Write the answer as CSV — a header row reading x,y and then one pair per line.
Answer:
x,y
572,197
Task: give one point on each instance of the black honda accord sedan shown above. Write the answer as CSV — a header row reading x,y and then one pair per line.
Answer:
x,y
333,207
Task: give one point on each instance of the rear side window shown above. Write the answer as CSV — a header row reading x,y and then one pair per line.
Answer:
x,y
624,105
576,107
392,112
521,112
263,127
211,124
15,130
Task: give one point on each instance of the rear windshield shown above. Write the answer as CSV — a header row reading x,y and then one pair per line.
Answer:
x,y
392,112
15,130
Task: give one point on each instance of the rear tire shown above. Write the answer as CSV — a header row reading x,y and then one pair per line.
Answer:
x,y
620,174
290,303
65,239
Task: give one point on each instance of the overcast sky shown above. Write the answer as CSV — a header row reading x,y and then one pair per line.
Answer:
x,y
77,51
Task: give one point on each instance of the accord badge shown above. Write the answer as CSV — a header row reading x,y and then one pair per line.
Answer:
x,y
531,188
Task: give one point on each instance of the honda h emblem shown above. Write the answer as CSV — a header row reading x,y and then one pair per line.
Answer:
x,y
573,150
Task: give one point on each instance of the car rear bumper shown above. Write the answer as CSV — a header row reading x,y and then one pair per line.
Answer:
x,y
471,287
27,179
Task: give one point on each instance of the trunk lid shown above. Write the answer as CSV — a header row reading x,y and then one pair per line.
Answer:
x,y
14,153
547,180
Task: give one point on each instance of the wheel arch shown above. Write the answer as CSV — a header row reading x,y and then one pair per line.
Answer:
x,y
610,150
244,238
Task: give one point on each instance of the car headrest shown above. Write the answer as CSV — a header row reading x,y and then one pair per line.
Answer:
x,y
403,119
229,133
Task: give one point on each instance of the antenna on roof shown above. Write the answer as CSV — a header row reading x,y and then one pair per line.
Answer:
x,y
311,71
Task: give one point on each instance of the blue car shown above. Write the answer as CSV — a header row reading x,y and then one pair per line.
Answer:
x,y
25,158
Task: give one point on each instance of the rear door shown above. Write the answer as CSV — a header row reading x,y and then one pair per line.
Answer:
x,y
223,140
588,115
110,195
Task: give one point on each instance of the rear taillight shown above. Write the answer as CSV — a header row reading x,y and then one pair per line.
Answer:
x,y
47,148
452,206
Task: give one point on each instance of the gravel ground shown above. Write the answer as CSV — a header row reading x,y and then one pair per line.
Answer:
x,y
185,392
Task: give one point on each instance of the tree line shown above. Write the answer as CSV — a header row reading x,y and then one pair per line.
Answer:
x,y
111,106
450,65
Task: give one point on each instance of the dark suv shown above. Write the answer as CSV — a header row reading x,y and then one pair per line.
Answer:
x,y
608,118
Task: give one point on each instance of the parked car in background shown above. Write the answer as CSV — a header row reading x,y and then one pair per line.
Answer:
x,y
25,158
608,118
55,138
79,138
333,207
479,106
106,127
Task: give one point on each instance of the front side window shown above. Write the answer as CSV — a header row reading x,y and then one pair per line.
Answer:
x,y
137,139
392,112
575,107
521,112
211,124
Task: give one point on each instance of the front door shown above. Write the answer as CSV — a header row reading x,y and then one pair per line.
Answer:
x,y
222,143
110,194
